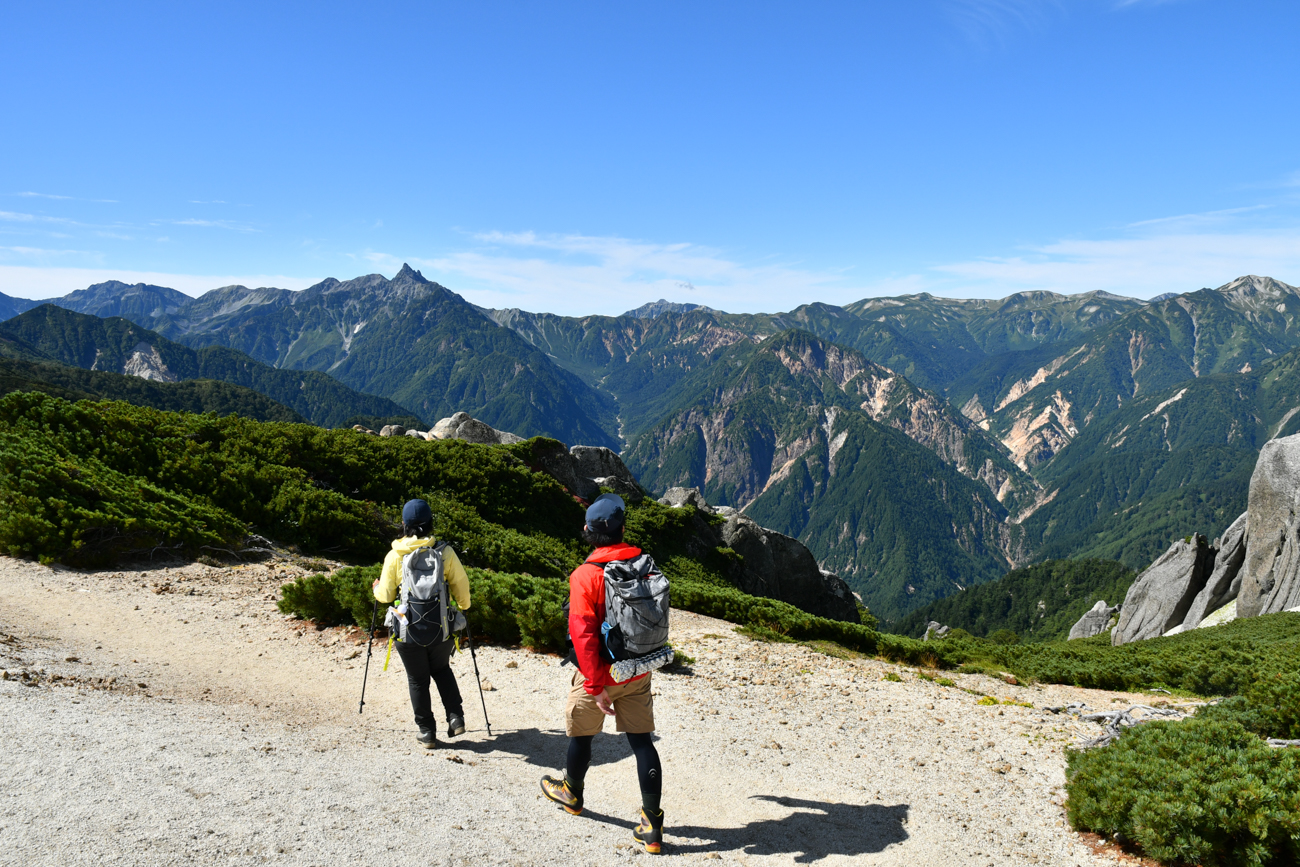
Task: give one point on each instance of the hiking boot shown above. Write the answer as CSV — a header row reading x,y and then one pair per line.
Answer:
x,y
650,833
455,725
428,738
559,792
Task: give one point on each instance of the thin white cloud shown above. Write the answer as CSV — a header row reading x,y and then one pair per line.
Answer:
x,y
230,225
1138,267
17,217
31,195
24,281
43,252
992,22
584,274
1201,218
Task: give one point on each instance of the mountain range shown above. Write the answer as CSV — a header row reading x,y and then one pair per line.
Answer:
x,y
916,444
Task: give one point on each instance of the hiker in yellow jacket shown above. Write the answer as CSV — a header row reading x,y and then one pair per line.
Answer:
x,y
423,663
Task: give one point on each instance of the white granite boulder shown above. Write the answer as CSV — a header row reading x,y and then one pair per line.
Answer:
x,y
1094,621
1162,595
1271,575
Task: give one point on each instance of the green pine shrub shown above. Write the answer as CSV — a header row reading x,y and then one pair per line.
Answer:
x,y
315,598
1203,791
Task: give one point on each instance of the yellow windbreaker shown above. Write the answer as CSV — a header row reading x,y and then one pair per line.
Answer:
x,y
452,572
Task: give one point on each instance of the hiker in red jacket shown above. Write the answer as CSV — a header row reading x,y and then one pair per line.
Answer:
x,y
593,693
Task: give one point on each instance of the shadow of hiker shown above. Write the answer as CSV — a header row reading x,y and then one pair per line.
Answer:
x,y
816,830
544,749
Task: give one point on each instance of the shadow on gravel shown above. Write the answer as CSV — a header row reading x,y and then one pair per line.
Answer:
x,y
545,749
816,830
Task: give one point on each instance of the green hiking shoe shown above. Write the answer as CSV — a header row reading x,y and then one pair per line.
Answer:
x,y
650,833
559,792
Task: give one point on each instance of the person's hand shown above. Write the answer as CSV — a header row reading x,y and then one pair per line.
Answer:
x,y
603,702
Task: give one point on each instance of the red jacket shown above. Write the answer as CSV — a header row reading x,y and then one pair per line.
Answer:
x,y
587,613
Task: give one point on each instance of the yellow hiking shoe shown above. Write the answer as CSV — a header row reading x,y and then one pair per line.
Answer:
x,y
559,792
650,833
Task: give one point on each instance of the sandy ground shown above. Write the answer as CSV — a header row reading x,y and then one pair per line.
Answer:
x,y
161,716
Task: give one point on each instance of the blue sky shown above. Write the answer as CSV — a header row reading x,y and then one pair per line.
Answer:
x,y
580,157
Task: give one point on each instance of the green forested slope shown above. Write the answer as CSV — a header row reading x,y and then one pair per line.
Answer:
x,y
194,395
88,342
1167,465
779,429
1038,400
1038,603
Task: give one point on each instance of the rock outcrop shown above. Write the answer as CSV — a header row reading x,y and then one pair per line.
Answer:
x,y
583,470
781,567
1224,582
1094,621
392,430
1162,595
1271,574
936,630
774,565
607,470
462,426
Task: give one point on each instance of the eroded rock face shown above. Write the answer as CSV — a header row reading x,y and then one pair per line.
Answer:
x,y
1225,581
606,469
781,567
463,426
583,470
1271,574
1094,621
1162,595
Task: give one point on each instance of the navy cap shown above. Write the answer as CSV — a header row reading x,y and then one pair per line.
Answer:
x,y
605,514
416,512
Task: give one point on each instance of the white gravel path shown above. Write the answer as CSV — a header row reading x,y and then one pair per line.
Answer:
x,y
229,734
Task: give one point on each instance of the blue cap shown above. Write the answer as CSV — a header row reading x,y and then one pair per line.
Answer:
x,y
605,514
416,512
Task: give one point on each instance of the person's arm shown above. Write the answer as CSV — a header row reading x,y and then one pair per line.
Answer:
x,y
456,577
386,587
584,624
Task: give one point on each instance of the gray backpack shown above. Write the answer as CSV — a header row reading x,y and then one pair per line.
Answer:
x,y
422,617
636,609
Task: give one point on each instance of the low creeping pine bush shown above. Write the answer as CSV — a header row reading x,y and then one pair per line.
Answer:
x,y
1202,791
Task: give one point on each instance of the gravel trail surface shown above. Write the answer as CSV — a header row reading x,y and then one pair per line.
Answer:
x,y
173,715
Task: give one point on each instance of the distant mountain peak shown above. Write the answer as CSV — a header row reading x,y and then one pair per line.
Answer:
x,y
1255,285
1163,297
409,273
662,306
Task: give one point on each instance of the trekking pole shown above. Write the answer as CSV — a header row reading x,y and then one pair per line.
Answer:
x,y
369,647
469,639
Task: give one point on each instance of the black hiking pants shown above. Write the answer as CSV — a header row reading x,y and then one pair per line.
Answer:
x,y
423,664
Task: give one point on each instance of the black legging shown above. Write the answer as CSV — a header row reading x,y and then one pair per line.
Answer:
x,y
648,770
423,663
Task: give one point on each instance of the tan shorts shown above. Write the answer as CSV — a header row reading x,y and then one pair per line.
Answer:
x,y
634,708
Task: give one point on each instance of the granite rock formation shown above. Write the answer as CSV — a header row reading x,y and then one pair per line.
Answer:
x,y
1094,621
462,426
1271,574
774,565
1163,594
1224,582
